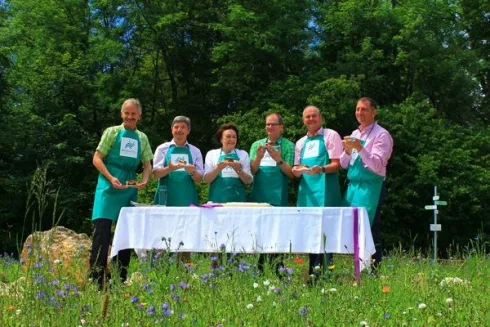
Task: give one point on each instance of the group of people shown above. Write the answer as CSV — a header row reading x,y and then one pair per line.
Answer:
x,y
178,166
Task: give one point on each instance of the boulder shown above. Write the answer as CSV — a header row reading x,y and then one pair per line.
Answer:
x,y
65,252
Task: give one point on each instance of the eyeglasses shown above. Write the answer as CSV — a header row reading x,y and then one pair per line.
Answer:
x,y
272,124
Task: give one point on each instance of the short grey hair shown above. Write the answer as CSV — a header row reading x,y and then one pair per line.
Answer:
x,y
312,107
182,119
134,102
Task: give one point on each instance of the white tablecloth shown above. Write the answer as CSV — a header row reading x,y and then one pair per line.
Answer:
x,y
244,230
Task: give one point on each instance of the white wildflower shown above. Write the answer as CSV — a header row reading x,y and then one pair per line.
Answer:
x,y
449,281
363,323
332,290
57,261
259,298
250,306
354,284
449,301
256,285
422,306
266,282
317,268
322,291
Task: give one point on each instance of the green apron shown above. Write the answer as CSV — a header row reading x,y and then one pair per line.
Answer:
x,y
181,189
270,184
121,161
227,186
364,186
318,190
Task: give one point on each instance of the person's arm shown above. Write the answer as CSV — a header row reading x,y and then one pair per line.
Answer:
x,y
98,162
257,152
196,170
333,145
212,167
146,175
297,158
159,169
377,159
243,168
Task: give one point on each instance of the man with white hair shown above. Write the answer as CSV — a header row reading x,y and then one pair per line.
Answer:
x,y
118,155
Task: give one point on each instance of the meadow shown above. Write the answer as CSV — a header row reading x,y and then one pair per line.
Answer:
x,y
409,290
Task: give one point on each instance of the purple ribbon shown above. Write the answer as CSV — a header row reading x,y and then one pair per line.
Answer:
x,y
207,205
357,268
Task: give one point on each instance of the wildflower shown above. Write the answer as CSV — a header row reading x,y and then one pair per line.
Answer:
x,y
172,287
167,312
18,312
363,323
448,281
256,285
134,299
151,310
222,247
181,315
57,261
40,295
11,308
386,315
386,289
354,284
332,290
183,285
303,311
60,293
83,321
175,297
266,282
165,305
259,298
250,306
214,258
449,301
274,304
322,291
317,268
290,271
422,306
298,260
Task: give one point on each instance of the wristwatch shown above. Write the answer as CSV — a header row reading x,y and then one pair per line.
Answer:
x,y
280,162
323,169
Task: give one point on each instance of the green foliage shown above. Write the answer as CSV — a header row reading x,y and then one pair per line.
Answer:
x,y
409,291
66,67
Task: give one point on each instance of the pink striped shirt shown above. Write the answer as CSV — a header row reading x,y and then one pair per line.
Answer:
x,y
332,140
376,151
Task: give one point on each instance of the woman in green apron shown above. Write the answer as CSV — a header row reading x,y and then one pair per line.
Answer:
x,y
118,155
227,169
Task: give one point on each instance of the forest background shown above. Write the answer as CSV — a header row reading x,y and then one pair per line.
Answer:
x,y
66,66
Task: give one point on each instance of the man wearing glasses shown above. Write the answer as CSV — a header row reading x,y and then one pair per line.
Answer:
x,y
271,159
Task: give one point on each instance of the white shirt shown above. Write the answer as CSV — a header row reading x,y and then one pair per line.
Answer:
x,y
161,152
212,158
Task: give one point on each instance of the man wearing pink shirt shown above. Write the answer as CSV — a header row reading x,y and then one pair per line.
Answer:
x,y
317,163
366,154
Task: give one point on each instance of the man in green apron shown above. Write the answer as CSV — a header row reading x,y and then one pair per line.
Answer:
x,y
117,157
271,159
317,164
178,166
366,154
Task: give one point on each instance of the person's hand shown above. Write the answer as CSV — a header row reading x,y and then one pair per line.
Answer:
x,y
174,166
221,165
261,152
350,144
190,169
314,170
275,154
298,171
140,185
116,183
236,165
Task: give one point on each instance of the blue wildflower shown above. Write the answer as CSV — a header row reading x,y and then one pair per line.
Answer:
x,y
40,295
165,306
151,310
183,285
172,287
134,299
303,311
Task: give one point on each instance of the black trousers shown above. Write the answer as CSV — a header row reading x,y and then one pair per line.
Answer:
x,y
376,230
100,250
